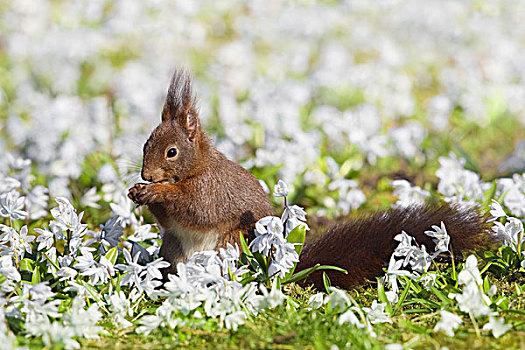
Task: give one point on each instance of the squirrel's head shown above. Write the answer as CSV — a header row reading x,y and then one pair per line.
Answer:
x,y
177,148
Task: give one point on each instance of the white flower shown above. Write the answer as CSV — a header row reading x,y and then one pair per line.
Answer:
x,y
66,273
8,184
349,317
496,211
67,218
456,183
264,186
350,197
99,272
36,202
294,216
45,238
109,234
152,268
316,301
149,323
270,299
497,326
142,233
8,268
511,233
91,198
441,238
107,174
472,300
123,207
132,268
268,233
86,260
11,206
407,195
7,233
230,257
119,306
420,260
390,278
428,280
394,270
376,313
281,189
269,238
20,242
405,247
337,299
83,322
470,272
396,346
234,319
178,284
51,333
448,323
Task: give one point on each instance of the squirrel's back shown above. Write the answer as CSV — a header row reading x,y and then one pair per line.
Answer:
x,y
363,244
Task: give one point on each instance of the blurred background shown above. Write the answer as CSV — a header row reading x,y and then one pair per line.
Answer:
x,y
338,98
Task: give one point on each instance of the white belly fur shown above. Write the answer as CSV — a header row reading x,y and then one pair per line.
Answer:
x,y
192,241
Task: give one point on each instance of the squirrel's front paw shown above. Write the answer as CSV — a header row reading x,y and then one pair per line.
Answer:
x,y
142,194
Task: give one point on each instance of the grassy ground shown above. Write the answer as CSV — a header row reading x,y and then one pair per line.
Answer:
x,y
302,329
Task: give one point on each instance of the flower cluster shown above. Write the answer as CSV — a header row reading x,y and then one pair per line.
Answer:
x,y
313,92
271,233
114,276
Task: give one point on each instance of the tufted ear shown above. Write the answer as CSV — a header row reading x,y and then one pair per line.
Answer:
x,y
180,106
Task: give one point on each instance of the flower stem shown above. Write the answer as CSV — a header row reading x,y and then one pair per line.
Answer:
x,y
66,248
473,319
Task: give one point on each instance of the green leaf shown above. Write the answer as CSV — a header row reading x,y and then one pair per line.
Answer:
x,y
415,287
92,291
326,282
35,279
54,265
415,328
489,254
519,289
244,245
402,297
276,285
440,295
297,237
502,302
486,284
490,195
262,261
383,298
418,311
112,255
304,273
27,264
247,280
426,302
259,271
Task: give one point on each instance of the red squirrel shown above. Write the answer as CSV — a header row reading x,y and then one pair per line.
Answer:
x,y
202,200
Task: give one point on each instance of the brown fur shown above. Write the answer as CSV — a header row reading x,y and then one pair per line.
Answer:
x,y
199,189
202,193
363,245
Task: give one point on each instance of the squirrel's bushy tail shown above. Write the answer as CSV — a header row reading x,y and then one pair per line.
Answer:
x,y
363,245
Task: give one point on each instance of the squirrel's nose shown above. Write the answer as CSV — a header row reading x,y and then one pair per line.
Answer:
x,y
146,177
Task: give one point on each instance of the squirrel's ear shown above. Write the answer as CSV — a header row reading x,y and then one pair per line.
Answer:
x,y
180,104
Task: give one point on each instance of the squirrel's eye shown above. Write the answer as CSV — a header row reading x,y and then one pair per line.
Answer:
x,y
172,152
